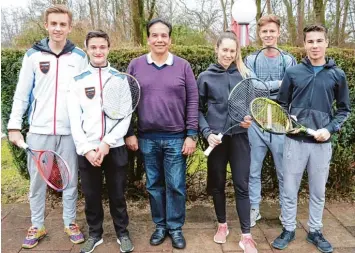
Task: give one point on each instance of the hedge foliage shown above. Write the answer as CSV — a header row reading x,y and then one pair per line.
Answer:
x,y
342,174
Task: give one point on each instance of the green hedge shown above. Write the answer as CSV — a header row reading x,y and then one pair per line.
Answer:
x,y
342,173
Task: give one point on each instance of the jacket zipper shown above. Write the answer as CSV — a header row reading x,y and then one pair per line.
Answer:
x,y
102,113
55,99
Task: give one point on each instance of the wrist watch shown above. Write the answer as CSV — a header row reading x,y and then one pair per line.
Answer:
x,y
193,137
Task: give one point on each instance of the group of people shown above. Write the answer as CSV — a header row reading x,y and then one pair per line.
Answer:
x,y
63,90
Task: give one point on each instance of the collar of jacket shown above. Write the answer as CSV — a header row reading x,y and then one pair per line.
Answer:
x,y
329,62
94,69
43,46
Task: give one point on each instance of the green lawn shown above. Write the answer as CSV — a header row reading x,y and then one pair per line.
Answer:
x,y
14,187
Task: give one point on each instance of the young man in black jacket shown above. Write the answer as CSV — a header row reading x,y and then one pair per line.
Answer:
x,y
307,92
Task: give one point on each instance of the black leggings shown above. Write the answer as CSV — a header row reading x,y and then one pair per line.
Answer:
x,y
234,149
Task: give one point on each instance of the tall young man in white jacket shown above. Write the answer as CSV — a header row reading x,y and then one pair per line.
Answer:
x,y
99,149
47,70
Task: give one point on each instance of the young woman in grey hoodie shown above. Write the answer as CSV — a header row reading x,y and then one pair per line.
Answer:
x,y
214,86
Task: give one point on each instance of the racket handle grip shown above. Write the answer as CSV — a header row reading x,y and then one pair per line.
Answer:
x,y
209,149
311,132
23,145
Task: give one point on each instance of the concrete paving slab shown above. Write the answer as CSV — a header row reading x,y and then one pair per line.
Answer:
x,y
344,212
200,240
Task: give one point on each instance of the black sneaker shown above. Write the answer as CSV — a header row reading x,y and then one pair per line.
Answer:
x,y
90,244
319,241
125,243
282,241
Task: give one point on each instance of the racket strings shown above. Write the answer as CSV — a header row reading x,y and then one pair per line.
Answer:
x,y
270,116
120,96
242,95
54,169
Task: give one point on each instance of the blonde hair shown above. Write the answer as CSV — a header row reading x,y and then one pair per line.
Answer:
x,y
58,8
243,70
270,18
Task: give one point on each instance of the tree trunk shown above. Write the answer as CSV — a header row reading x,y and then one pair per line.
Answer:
x,y
337,23
300,18
225,22
151,10
291,22
98,13
137,7
268,6
258,15
343,25
319,11
92,15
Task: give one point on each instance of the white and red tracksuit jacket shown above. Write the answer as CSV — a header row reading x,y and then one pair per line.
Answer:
x,y
43,85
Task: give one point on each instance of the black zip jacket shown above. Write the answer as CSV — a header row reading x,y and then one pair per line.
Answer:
x,y
214,86
310,97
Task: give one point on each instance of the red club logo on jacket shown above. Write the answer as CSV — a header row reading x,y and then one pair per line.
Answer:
x,y
90,92
44,66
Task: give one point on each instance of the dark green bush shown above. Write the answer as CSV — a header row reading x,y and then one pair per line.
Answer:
x,y
342,173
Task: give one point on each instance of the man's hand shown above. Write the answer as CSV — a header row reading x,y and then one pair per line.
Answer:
x,y
90,156
322,135
16,137
189,146
247,122
213,140
132,143
101,152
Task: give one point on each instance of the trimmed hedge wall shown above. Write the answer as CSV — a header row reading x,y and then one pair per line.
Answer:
x,y
342,174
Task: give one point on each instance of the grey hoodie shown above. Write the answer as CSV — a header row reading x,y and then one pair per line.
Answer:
x,y
214,86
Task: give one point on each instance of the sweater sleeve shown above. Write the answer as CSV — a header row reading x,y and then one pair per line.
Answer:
x,y
130,131
342,104
203,94
191,101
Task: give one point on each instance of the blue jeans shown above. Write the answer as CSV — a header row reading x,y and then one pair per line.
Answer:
x,y
165,168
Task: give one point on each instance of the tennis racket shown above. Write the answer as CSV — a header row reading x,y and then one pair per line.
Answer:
x,y
272,118
270,64
239,101
120,97
51,166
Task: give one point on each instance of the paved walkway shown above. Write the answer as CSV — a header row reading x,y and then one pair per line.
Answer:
x,y
339,228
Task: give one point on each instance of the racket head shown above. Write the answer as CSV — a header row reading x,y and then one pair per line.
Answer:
x,y
120,95
270,116
242,95
53,169
280,64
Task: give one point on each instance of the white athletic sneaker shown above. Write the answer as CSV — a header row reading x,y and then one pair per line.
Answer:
x,y
254,216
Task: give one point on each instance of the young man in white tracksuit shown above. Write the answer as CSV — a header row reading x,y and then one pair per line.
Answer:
x,y
99,149
46,72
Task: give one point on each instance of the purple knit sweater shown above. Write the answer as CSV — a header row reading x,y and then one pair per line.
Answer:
x,y
169,96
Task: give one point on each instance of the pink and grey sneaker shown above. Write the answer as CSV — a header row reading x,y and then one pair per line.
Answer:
x,y
74,233
33,236
248,244
221,234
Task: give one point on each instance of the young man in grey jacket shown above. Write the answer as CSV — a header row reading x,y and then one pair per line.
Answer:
x,y
269,65
308,91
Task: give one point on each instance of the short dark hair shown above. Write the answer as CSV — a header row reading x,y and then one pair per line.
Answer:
x,y
159,20
314,28
97,34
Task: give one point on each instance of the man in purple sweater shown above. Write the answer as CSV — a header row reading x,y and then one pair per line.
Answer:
x,y
167,129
